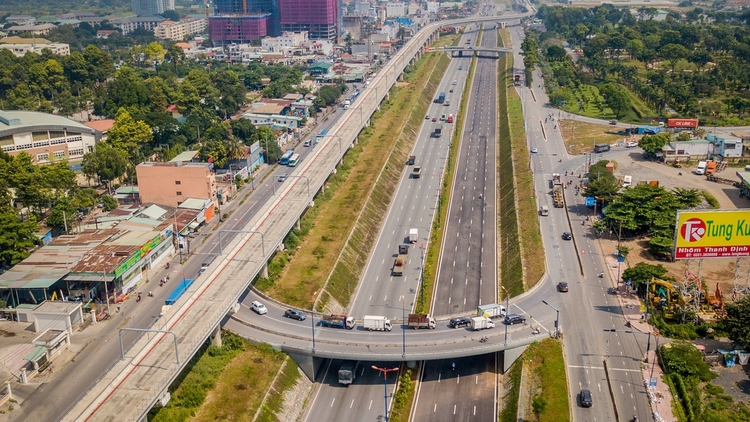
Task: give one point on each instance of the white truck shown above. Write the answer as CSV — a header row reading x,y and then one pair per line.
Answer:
x,y
701,170
627,181
493,310
347,103
481,323
413,235
377,323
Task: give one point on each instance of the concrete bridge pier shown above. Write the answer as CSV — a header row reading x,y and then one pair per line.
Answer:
x,y
308,364
216,336
510,356
298,224
264,271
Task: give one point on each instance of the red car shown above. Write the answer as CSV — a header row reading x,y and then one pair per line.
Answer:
x,y
434,119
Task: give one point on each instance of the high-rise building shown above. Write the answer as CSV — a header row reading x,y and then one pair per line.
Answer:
x,y
151,7
226,29
251,7
317,17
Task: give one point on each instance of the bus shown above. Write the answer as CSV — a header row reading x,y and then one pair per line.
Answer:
x,y
294,160
320,136
285,158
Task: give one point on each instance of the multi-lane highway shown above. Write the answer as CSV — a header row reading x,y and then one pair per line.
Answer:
x,y
467,273
587,308
380,293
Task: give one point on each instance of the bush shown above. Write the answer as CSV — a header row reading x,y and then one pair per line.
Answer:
x,y
683,358
710,199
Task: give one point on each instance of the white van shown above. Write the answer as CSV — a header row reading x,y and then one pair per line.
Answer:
x,y
701,168
627,181
307,143
544,210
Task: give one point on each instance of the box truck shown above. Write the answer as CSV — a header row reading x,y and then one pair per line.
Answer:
x,y
377,323
481,323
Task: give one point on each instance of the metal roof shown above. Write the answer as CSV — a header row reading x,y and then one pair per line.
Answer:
x,y
26,121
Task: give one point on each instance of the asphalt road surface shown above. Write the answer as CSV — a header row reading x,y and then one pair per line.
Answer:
x,y
467,275
413,206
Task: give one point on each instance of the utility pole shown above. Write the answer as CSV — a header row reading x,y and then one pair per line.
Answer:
x,y
385,372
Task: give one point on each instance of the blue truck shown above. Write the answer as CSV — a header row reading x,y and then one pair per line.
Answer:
x,y
179,291
338,321
441,98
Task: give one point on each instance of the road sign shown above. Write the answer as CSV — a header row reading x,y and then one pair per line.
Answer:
x,y
590,201
652,383
620,258
712,234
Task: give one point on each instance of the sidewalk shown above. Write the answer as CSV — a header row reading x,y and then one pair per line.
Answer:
x,y
632,310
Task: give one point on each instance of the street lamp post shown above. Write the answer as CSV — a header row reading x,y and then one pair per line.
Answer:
x,y
307,179
507,308
648,344
262,239
312,321
385,372
403,328
557,318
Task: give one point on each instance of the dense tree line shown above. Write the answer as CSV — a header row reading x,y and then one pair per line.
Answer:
x,y
697,64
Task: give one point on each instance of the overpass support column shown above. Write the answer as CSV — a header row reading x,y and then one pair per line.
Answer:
x,y
216,337
510,356
297,224
264,271
308,364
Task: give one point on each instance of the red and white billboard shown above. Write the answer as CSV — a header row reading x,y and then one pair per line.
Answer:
x,y
682,123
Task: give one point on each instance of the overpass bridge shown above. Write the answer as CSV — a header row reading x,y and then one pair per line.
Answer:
x,y
132,385
470,50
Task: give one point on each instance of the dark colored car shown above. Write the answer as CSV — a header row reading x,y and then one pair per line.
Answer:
x,y
459,322
514,319
567,236
586,400
295,314
434,119
562,286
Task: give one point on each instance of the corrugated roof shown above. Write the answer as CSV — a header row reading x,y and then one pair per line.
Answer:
x,y
154,211
193,204
184,156
35,354
25,121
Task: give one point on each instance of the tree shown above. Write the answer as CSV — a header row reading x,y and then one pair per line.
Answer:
x,y
243,129
673,53
171,15
684,137
107,163
654,143
643,272
214,152
108,203
17,238
63,214
128,135
683,358
617,99
737,321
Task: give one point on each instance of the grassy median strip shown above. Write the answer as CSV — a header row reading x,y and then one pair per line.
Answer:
x,y
436,234
522,264
404,397
547,383
226,382
326,227
407,118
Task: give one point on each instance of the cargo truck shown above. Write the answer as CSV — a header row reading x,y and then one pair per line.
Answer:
x,y
682,123
557,191
347,372
400,261
413,235
481,323
493,310
440,98
415,172
438,131
421,321
449,119
701,168
377,323
411,160
338,321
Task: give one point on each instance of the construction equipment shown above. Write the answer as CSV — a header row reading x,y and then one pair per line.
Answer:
x,y
557,191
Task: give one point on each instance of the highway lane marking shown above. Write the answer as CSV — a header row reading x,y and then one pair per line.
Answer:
x,y
352,404
370,299
475,410
587,367
385,298
454,409
476,381
333,401
434,408
458,379
370,406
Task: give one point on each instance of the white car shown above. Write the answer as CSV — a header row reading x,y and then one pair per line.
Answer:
x,y
631,144
534,150
259,308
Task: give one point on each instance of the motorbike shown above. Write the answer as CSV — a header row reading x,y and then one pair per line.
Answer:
x,y
166,266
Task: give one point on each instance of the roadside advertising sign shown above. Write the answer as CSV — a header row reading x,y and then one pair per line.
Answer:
x,y
712,234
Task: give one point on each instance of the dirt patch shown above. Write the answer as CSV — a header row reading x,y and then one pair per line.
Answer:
x,y
402,84
580,137
7,333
